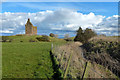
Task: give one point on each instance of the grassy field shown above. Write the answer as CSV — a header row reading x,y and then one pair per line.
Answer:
x,y
27,59
24,38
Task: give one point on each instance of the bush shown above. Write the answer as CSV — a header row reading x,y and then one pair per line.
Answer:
x,y
32,40
52,35
68,39
88,33
19,34
5,38
84,36
10,40
79,36
43,38
21,41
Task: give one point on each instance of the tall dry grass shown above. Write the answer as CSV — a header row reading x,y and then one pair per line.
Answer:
x,y
105,38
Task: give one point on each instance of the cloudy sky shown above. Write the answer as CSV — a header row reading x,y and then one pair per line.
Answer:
x,y
60,17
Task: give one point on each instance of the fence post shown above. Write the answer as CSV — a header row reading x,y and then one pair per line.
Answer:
x,y
51,46
84,70
68,64
61,58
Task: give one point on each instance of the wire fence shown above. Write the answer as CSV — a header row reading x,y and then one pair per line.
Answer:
x,y
68,61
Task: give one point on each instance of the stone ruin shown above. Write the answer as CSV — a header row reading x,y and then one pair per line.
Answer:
x,y
30,29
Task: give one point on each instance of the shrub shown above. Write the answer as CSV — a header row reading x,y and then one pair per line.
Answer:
x,y
102,35
52,35
43,38
21,41
32,40
88,33
84,36
79,36
68,39
10,40
5,38
19,34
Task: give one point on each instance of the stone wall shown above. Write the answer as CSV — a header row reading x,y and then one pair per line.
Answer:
x,y
34,30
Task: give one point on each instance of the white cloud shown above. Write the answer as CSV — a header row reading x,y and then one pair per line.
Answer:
x,y
63,19
108,25
6,31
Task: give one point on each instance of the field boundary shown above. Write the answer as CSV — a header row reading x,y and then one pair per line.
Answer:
x,y
57,73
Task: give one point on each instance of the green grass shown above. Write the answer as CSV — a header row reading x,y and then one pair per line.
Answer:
x,y
25,38
0,61
26,60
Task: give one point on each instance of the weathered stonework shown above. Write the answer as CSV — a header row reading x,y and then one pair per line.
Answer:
x,y
30,29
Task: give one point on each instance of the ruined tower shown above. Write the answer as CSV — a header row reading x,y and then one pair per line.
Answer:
x,y
30,29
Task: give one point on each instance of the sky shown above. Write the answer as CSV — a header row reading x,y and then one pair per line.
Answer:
x,y
60,0
60,17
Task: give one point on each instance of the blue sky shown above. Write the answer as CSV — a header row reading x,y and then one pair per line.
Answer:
x,y
61,1
60,17
99,8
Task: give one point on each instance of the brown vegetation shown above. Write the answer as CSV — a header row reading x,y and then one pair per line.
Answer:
x,y
104,51
77,63
6,39
43,38
105,38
